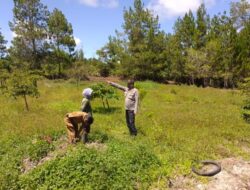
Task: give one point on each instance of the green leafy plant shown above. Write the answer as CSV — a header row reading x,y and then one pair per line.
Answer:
x,y
104,93
4,74
245,86
119,167
23,84
38,149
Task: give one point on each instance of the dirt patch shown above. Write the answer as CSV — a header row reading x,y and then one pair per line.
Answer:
x,y
104,79
60,149
245,149
97,146
28,165
61,146
235,175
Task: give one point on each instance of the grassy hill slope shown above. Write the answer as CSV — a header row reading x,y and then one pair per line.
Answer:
x,y
177,126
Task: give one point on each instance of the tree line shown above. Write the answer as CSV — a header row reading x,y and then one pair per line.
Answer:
x,y
202,50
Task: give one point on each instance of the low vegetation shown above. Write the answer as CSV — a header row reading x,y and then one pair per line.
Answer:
x,y
178,126
245,86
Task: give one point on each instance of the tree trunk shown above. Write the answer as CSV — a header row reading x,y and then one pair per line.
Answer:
x,y
77,81
225,82
233,84
59,70
211,82
35,61
26,103
205,83
103,103
192,80
107,103
58,57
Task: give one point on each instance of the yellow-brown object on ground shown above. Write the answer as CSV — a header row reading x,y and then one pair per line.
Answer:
x,y
74,132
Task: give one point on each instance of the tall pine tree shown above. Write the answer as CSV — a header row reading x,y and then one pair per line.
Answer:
x,y
29,24
3,49
202,24
62,42
146,43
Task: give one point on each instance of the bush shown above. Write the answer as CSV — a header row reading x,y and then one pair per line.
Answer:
x,y
245,86
105,93
246,115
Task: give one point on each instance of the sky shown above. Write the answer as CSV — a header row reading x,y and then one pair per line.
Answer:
x,y
94,21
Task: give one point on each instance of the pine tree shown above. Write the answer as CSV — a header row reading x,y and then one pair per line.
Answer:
x,y
146,43
79,55
3,48
29,24
240,13
184,36
187,30
175,55
62,42
4,74
228,40
112,53
202,25
243,58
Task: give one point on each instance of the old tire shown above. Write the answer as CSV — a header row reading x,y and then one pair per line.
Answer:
x,y
210,173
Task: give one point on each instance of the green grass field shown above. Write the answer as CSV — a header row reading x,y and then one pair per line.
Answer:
x,y
177,126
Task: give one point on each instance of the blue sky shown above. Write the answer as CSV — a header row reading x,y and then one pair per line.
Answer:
x,y
94,20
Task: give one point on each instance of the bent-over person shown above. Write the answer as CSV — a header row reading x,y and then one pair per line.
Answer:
x,y
75,132
131,104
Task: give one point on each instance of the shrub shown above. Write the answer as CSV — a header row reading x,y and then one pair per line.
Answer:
x,y
245,86
23,84
105,93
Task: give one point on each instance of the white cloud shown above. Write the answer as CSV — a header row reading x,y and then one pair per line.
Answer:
x,y
100,3
172,8
78,41
13,34
91,3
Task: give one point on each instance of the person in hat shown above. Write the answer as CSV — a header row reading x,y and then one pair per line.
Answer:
x,y
86,106
131,104
75,133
